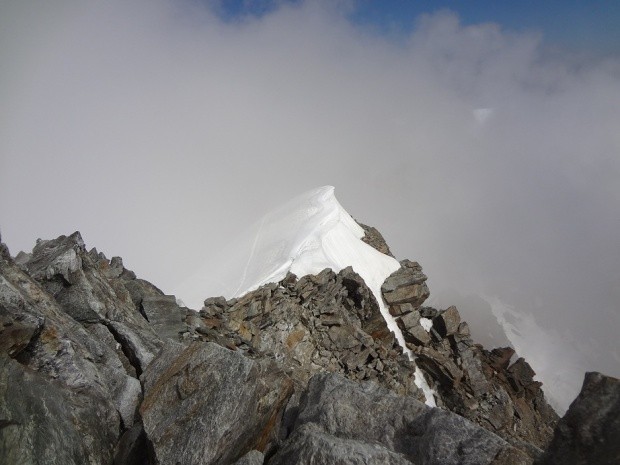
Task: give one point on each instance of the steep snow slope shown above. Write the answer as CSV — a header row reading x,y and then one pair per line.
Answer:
x,y
306,235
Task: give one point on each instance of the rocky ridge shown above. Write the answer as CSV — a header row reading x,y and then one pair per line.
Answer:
x,y
98,366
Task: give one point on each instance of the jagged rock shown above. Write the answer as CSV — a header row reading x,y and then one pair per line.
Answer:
x,y
447,322
60,348
138,289
521,375
428,312
212,403
21,258
375,239
441,367
402,309
413,331
331,322
347,419
406,285
82,283
499,358
165,316
480,385
213,306
589,432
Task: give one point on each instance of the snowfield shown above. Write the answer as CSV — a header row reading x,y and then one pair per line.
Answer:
x,y
306,235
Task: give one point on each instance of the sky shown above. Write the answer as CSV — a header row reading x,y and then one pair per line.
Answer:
x,y
481,138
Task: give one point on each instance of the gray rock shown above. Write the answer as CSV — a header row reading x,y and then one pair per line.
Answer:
x,y
413,332
139,289
253,457
119,375
165,316
132,448
212,403
369,414
589,432
85,286
480,385
59,347
447,323
46,422
310,445
375,239
406,285
88,325
17,331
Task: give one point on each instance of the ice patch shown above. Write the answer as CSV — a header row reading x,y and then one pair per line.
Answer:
x,y
426,323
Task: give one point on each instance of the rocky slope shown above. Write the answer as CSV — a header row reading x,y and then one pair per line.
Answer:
x,y
100,367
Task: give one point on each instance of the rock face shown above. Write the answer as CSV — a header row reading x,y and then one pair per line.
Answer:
x,y
212,403
98,366
44,421
344,422
589,432
73,345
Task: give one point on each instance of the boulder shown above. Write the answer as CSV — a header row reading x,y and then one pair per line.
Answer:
x,y
212,403
165,316
406,285
412,330
447,323
589,432
339,418
310,444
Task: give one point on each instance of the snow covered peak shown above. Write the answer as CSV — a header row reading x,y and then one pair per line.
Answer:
x,y
304,236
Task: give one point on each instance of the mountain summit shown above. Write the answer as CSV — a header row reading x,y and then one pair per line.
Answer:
x,y
308,234
322,351
304,236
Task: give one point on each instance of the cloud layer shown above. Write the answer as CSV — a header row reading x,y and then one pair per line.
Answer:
x,y
160,131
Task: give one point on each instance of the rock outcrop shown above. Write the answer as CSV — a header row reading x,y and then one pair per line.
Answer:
x,y
214,404
98,366
482,386
343,422
328,322
589,432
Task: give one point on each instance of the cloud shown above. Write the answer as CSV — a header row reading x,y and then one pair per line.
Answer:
x,y
160,130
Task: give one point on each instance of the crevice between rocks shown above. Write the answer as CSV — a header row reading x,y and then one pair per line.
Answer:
x,y
129,353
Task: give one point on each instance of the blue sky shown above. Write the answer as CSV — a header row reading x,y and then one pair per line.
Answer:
x,y
585,26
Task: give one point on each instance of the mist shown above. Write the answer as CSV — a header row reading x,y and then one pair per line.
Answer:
x,y
160,130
